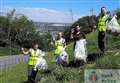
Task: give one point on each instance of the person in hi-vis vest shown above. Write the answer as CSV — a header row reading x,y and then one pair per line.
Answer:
x,y
102,20
59,46
33,53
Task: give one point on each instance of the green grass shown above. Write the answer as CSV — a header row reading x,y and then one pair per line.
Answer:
x,y
111,60
92,44
14,74
5,51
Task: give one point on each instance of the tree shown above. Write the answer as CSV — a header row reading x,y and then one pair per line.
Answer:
x,y
86,22
117,11
19,31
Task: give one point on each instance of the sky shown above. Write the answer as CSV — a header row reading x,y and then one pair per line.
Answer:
x,y
57,10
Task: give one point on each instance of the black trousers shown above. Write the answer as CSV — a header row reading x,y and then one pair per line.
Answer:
x,y
31,74
101,40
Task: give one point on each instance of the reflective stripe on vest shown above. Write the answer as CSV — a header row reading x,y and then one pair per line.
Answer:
x,y
102,23
33,57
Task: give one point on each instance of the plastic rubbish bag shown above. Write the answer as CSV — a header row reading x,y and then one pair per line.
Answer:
x,y
64,56
80,52
41,63
113,25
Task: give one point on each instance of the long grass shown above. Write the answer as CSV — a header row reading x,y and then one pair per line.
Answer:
x,y
71,74
8,51
14,74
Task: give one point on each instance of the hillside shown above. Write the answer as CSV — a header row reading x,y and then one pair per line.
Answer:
x,y
71,74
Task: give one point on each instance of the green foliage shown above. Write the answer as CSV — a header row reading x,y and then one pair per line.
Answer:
x,y
3,27
86,22
8,51
17,31
60,74
92,43
14,74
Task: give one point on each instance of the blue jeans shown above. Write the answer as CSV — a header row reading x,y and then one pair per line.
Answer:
x,y
57,58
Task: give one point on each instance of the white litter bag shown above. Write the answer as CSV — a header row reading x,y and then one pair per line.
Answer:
x,y
41,63
80,52
64,56
113,25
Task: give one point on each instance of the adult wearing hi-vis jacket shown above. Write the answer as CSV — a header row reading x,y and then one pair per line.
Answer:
x,y
102,20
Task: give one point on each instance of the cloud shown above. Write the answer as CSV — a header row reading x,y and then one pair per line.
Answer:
x,y
43,14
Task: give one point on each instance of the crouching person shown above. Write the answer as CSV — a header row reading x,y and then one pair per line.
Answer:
x,y
60,46
33,53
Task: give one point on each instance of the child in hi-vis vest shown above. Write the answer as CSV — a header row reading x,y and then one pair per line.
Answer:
x,y
33,53
60,45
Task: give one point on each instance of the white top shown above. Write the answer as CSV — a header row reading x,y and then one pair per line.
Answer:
x,y
38,52
80,49
80,44
62,40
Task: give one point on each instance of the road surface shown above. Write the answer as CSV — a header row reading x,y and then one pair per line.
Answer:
x,y
6,61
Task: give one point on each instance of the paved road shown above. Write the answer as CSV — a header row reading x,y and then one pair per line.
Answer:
x,y
5,61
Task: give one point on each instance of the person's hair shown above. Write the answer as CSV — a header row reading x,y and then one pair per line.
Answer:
x,y
75,29
77,25
80,36
83,35
103,7
34,43
57,38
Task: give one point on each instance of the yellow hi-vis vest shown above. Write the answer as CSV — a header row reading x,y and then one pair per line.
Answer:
x,y
33,57
58,46
102,23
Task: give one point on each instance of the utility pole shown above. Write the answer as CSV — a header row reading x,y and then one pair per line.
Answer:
x,y
71,13
91,11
